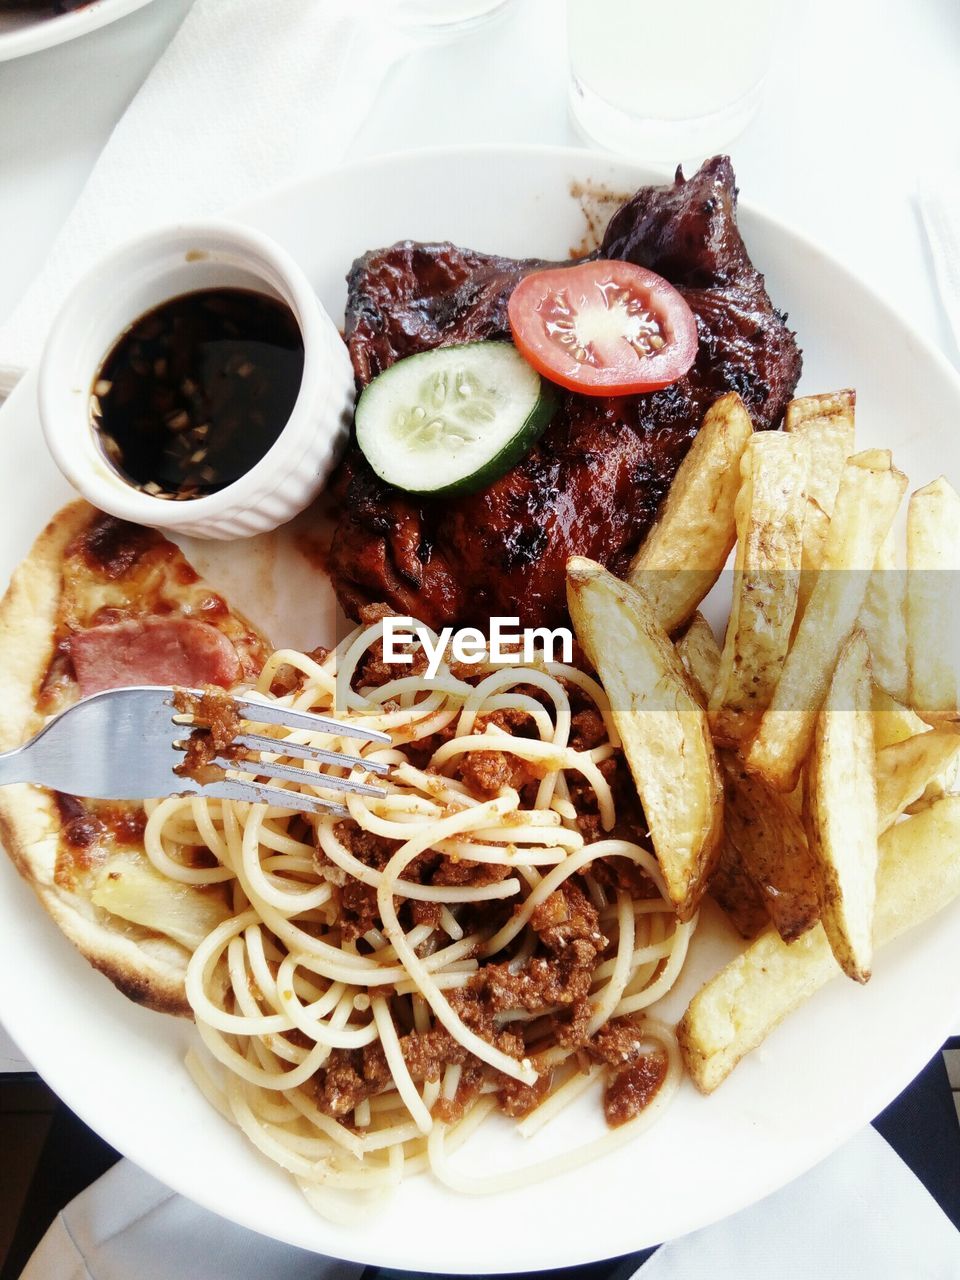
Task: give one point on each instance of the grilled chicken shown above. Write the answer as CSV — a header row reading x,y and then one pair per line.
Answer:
x,y
592,484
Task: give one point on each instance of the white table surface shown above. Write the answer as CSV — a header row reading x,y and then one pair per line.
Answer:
x,y
861,106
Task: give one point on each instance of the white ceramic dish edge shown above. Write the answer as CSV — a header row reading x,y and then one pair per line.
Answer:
x,y
45,31
129,282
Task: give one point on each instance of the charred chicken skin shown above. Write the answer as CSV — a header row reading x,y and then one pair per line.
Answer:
x,y
592,484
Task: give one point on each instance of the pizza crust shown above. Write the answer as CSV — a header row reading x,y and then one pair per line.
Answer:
x,y
150,969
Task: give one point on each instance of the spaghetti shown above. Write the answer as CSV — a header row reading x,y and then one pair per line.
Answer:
x,y
384,982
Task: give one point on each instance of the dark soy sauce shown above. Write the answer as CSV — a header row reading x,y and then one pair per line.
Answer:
x,y
196,391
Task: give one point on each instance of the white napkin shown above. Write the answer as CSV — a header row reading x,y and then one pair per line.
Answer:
x,y
128,1225
861,1215
940,210
247,95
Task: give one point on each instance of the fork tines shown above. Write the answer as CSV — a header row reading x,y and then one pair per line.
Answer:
x,y
266,745
278,797
270,713
261,744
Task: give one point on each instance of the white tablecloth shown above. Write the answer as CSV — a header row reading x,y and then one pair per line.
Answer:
x,y
862,102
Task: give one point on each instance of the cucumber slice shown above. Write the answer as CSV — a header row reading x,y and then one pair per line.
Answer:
x,y
452,420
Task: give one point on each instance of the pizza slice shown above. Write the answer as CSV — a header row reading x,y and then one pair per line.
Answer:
x,y
100,603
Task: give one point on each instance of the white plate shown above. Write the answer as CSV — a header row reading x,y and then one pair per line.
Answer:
x,y
23,33
829,1069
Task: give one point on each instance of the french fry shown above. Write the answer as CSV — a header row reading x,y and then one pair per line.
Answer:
x,y
918,875
770,512
730,885
906,769
892,721
884,622
946,783
933,599
700,654
683,554
840,810
666,738
768,836
734,891
830,408
826,423
877,459
870,492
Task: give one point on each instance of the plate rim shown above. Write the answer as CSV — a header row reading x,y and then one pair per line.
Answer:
x,y
575,1251
59,28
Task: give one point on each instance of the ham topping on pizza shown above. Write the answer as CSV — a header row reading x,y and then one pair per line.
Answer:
x,y
132,610
180,651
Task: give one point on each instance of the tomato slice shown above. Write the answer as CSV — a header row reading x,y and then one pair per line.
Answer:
x,y
603,328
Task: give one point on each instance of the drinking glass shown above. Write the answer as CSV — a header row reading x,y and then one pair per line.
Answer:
x,y
668,79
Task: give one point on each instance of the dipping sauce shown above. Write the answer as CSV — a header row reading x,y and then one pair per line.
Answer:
x,y
196,391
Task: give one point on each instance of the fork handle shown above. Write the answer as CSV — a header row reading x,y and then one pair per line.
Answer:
x,y
13,767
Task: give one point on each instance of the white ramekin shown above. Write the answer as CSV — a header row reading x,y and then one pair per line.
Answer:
x,y
141,275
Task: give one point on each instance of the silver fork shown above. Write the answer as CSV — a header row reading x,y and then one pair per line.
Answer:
x,y
124,744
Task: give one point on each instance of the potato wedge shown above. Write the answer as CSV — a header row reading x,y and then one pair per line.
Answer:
x,y
892,721
767,874
840,810
826,423
666,738
813,415
906,769
770,512
769,837
884,621
700,654
866,505
876,459
918,875
734,891
731,886
946,783
683,554
933,599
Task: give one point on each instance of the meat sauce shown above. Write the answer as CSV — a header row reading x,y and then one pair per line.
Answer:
x,y
556,980
633,1088
194,394
217,724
